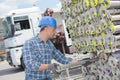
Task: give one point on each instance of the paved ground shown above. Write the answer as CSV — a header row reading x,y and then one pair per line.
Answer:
x,y
10,73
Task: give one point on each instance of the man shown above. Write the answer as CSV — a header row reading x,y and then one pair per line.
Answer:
x,y
39,51
48,12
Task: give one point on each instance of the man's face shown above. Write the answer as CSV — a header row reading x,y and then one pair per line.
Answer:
x,y
51,31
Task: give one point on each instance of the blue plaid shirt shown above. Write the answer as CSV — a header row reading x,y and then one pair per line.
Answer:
x,y
37,52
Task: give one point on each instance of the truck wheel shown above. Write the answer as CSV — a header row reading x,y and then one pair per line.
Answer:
x,y
22,64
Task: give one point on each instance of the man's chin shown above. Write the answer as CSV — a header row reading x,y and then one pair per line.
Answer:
x,y
52,37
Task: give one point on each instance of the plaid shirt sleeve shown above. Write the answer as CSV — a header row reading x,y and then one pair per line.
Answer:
x,y
29,57
58,56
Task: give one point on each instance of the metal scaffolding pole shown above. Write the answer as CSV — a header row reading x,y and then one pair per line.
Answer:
x,y
116,28
115,4
115,17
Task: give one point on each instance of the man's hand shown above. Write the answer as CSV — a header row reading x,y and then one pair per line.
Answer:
x,y
53,66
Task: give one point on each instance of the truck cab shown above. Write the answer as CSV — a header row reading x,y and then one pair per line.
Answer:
x,y
24,24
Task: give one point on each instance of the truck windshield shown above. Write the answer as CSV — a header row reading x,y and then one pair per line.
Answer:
x,y
3,28
21,22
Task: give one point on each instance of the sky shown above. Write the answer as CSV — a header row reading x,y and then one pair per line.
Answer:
x,y
8,5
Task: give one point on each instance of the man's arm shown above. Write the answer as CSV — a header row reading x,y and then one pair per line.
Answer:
x,y
58,56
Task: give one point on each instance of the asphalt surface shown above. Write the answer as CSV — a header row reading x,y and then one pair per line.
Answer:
x,y
10,73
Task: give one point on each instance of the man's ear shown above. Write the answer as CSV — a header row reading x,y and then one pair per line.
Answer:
x,y
46,28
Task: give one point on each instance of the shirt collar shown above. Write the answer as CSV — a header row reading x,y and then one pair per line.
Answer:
x,y
39,39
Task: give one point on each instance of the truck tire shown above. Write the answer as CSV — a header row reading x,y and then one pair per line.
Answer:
x,y
22,64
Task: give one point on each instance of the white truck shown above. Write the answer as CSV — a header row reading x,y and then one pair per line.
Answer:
x,y
24,24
